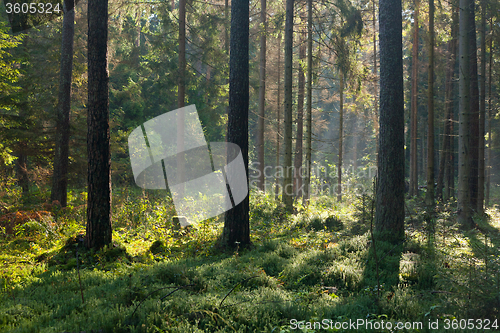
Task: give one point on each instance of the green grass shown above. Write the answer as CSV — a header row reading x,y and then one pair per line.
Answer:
x,y
318,264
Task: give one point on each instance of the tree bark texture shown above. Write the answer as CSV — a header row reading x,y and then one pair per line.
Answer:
x,y
446,160
490,143
181,94
277,188
482,113
376,125
308,147
341,136
59,177
389,218
474,111
287,191
99,158
262,96
236,224
414,106
181,89
300,122
22,169
464,131
429,197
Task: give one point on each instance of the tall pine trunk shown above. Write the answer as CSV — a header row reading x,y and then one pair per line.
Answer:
x,y
429,197
236,223
181,92
490,143
482,113
59,178
445,162
99,158
463,203
414,107
287,195
262,96
181,89
375,113
450,175
474,111
226,26
341,136
389,218
309,104
22,146
300,122
277,187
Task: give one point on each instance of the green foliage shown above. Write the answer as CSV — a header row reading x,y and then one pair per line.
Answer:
x,y
157,247
8,71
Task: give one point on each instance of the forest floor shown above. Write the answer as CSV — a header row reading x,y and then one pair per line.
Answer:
x,y
315,271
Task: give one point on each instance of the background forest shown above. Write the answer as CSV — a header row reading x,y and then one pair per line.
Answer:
x,y
392,213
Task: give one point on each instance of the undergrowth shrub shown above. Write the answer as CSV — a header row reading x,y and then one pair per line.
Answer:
x,y
305,269
271,263
285,251
316,223
346,274
180,274
353,244
333,223
265,209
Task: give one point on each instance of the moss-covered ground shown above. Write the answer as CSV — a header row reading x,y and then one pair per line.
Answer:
x,y
301,271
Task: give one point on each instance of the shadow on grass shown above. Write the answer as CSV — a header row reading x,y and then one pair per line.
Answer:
x,y
381,273
483,282
401,268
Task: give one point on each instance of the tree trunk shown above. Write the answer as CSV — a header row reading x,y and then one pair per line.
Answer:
x,y
423,145
59,178
482,113
277,189
236,223
309,104
136,52
226,26
375,86
445,162
181,92
287,194
490,143
22,145
262,96
300,122
464,212
341,136
429,197
22,169
181,89
99,158
355,145
450,177
389,218
474,112
414,107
